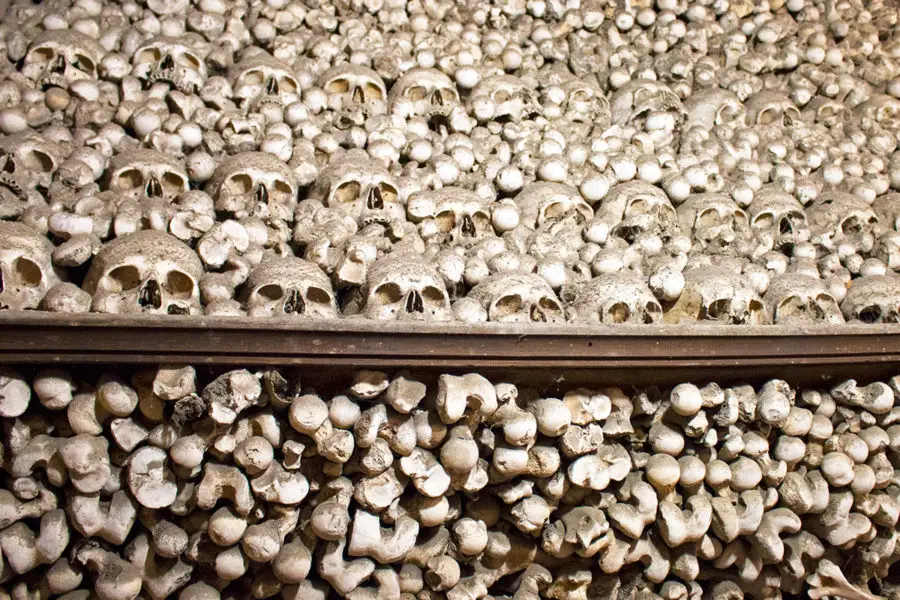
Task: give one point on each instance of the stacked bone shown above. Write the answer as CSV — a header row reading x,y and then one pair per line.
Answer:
x,y
536,161
156,487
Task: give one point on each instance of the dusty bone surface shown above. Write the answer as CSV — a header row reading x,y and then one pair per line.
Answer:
x,y
162,483
651,161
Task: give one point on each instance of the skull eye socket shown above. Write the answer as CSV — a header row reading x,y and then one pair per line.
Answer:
x,y
719,310
432,296
338,86
288,84
122,279
415,93
709,218
869,314
508,305
764,220
617,313
318,296
179,285
579,96
239,184
173,182
253,77
554,210
372,92
84,63
148,55
766,116
388,293
271,292
826,300
550,305
446,221
187,59
282,188
653,313
448,95
26,272
388,192
43,53
727,114
482,221
128,179
638,206
347,192
500,96
37,161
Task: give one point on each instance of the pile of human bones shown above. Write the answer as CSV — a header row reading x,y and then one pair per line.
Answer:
x,y
536,161
393,487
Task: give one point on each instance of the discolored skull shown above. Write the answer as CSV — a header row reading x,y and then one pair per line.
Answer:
x,y
170,60
462,217
713,293
825,111
713,107
254,183
795,299
26,269
289,286
638,100
873,299
636,207
360,188
621,297
887,208
31,157
778,219
145,173
432,93
510,97
61,57
879,109
768,107
145,272
838,217
261,80
586,103
518,298
716,223
354,86
545,205
404,288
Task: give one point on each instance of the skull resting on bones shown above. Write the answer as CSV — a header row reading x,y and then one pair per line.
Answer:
x,y
289,286
404,288
713,293
254,183
513,100
778,218
432,92
795,299
518,298
61,57
146,173
621,297
32,157
145,272
873,299
880,109
636,207
768,107
26,269
544,204
354,86
360,188
713,107
640,99
461,216
716,223
170,60
262,79
839,216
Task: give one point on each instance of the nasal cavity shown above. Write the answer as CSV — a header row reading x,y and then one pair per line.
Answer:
x,y
437,98
153,187
1,282
375,201
784,226
58,65
468,226
150,295
536,314
358,96
272,86
167,62
294,305
262,194
414,303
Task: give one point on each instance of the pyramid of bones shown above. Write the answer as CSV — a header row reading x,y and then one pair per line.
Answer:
x,y
532,161
165,484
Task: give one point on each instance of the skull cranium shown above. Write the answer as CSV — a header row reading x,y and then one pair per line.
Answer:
x,y
360,188
144,173
795,299
544,204
170,60
62,57
262,79
354,86
289,286
461,216
713,293
873,299
778,218
717,224
404,288
512,98
26,269
836,217
431,92
254,183
621,297
518,298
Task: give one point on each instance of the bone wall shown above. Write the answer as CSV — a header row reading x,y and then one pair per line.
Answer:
x,y
165,484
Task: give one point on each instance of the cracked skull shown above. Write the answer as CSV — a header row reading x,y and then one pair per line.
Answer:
x,y
714,293
405,289
254,183
145,173
289,286
170,60
873,299
795,299
432,93
637,207
545,205
508,97
838,217
361,189
145,272
460,215
26,270
518,298
62,57
262,80
31,157
621,297
646,104
778,219
716,223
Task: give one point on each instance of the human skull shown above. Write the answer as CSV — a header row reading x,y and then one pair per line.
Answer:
x,y
518,298
61,57
768,107
462,217
432,93
34,158
716,223
26,268
361,188
545,205
873,299
636,207
838,217
641,98
713,293
145,173
880,109
170,60
826,111
713,107
887,208
586,103
254,183
289,286
404,288
778,218
512,99
795,299
621,297
261,80
354,86
145,272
